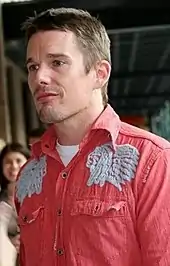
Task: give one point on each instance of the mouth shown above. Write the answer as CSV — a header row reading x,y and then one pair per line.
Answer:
x,y
43,97
13,175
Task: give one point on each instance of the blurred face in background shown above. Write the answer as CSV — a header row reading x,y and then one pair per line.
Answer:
x,y
12,163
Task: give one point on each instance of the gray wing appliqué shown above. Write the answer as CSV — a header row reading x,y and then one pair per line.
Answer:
x,y
115,167
31,178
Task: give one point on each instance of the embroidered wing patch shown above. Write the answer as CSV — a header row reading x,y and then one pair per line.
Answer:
x,y
31,178
115,167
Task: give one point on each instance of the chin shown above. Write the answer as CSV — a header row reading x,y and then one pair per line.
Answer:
x,y
12,179
48,117
51,120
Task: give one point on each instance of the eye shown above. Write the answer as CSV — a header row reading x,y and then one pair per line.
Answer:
x,y
18,161
58,63
32,68
7,162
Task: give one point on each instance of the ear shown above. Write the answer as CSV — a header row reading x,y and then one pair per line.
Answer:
x,y
103,70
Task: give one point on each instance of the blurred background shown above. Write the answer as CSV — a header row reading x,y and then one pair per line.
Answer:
x,y
139,88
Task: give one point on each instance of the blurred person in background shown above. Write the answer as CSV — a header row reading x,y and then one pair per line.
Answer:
x,y
96,191
12,157
35,135
2,144
8,251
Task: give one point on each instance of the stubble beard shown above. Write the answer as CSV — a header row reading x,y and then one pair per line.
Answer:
x,y
51,116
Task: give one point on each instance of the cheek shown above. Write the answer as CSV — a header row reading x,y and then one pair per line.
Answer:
x,y
80,88
21,164
6,170
31,84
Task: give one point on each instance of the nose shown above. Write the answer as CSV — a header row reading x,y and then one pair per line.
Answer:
x,y
15,165
43,76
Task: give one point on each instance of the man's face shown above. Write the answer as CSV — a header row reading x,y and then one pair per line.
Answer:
x,y
56,76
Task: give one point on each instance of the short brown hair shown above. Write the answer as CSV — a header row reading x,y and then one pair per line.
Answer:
x,y
90,32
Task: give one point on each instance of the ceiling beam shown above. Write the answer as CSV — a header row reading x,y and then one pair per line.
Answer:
x,y
137,107
135,112
139,73
163,95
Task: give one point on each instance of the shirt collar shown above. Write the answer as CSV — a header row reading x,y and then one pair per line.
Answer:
x,y
108,121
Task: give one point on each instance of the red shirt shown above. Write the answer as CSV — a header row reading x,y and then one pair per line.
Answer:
x,y
110,206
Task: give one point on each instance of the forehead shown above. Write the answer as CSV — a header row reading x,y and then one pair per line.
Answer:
x,y
53,41
12,155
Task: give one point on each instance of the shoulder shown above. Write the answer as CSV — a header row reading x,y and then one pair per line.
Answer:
x,y
152,149
30,178
140,137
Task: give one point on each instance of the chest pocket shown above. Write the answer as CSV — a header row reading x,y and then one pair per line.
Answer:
x,y
97,208
31,224
98,225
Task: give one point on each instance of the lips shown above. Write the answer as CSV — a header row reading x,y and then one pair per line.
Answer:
x,y
13,175
45,95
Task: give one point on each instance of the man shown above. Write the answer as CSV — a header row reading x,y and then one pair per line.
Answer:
x,y
96,191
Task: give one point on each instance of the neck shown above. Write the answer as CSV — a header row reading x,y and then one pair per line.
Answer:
x,y
73,130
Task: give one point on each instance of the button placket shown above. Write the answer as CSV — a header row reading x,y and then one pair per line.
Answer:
x,y
60,251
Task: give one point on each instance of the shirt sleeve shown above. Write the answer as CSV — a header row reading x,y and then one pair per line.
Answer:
x,y
153,213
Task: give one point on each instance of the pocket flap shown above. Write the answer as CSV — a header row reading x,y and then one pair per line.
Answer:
x,y
98,208
27,217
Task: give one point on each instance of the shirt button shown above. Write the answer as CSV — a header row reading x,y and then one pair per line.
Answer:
x,y
59,212
24,218
60,252
64,175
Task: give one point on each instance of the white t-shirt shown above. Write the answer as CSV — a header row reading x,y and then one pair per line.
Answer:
x,y
67,153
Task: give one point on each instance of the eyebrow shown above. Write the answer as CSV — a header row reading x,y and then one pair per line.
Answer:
x,y
50,55
29,60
